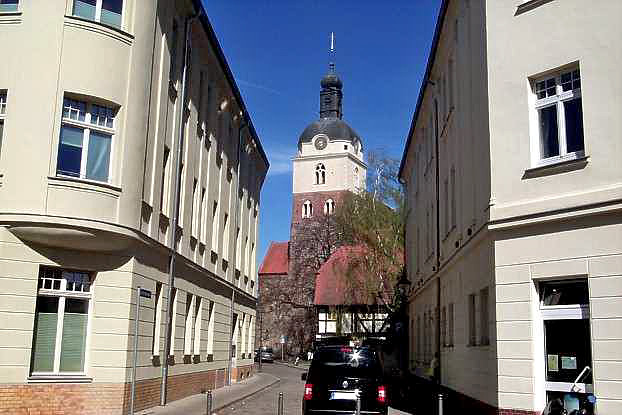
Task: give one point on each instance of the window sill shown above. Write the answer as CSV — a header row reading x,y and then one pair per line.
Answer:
x,y
556,167
529,5
59,379
90,184
103,28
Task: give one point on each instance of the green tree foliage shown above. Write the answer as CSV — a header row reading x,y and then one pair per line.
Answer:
x,y
373,221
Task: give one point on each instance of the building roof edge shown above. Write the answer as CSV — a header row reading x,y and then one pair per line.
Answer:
x,y
424,83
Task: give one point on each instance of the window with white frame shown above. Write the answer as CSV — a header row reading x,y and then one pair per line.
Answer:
x,y
61,322
560,117
484,337
173,319
320,174
8,6
329,207
327,322
307,209
85,143
109,12
357,181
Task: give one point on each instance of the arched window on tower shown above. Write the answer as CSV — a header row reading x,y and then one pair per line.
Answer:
x,y
329,207
356,178
320,174
307,209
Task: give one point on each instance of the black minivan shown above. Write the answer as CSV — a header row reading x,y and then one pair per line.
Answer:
x,y
338,374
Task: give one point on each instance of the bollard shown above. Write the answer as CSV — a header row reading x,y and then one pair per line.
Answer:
x,y
358,405
210,405
280,408
440,404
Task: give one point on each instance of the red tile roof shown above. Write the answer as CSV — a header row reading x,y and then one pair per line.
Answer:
x,y
276,259
335,285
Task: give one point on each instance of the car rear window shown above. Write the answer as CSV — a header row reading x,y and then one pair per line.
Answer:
x,y
346,361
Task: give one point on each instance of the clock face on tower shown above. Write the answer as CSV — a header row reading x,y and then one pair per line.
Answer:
x,y
320,143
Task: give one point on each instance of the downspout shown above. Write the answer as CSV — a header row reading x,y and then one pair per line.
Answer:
x,y
235,249
438,244
175,219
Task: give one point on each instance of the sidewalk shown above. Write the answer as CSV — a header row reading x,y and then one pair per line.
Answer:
x,y
222,397
302,365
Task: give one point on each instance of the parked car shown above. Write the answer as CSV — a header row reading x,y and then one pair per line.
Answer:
x,y
267,355
340,374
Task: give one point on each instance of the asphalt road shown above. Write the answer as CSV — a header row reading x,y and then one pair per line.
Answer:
x,y
265,402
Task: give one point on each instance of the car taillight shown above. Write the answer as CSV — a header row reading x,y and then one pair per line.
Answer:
x,y
308,392
382,394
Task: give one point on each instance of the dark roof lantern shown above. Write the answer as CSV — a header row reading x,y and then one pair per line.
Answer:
x,y
330,123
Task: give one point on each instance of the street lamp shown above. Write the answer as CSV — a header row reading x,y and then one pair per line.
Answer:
x,y
403,285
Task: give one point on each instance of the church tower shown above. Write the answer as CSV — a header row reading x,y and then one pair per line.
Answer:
x,y
329,162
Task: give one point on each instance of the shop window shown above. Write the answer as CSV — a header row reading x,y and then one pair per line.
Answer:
x,y
564,306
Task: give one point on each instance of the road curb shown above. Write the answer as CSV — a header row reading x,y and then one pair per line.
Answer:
x,y
248,395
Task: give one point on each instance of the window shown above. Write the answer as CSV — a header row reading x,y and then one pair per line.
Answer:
x,y
105,11
307,209
444,326
190,301
356,178
173,51
327,322
173,318
329,207
560,117
198,319
2,110
472,323
320,174
484,338
61,320
453,197
201,215
450,317
446,205
251,335
8,5
564,306
419,338
225,237
210,330
194,209
215,215
85,140
157,319
166,181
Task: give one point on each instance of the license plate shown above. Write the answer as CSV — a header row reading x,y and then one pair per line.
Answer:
x,y
349,396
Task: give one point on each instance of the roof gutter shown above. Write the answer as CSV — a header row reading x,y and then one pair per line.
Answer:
x,y
211,35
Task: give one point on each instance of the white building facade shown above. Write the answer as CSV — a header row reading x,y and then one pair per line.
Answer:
x,y
514,237
114,116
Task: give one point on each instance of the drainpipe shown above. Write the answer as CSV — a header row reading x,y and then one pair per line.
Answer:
x,y
175,219
235,249
438,243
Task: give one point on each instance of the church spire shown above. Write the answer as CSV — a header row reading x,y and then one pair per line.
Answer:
x,y
330,94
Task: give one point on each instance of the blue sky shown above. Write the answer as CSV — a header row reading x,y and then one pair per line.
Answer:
x,y
279,50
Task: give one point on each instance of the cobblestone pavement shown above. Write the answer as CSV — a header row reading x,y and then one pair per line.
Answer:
x,y
265,402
